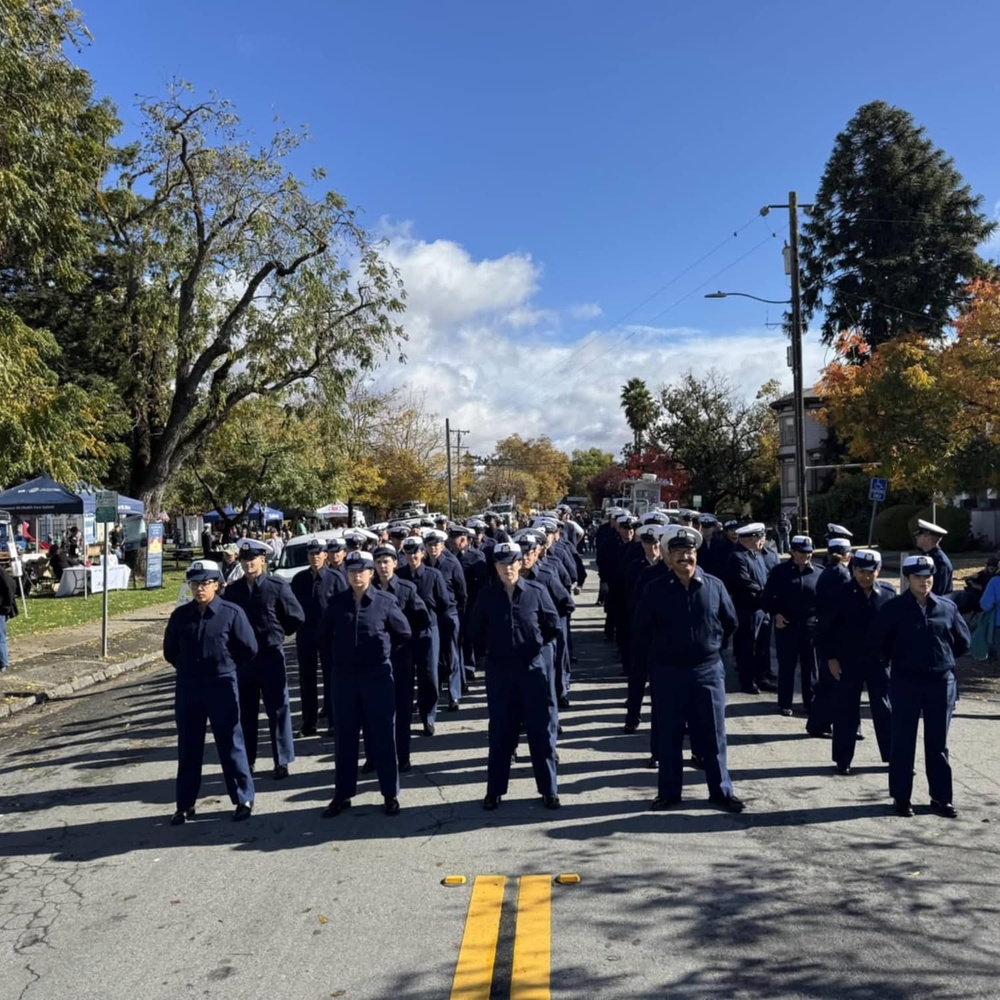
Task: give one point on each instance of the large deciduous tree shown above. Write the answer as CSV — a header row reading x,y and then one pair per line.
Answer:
x,y
892,237
723,441
54,139
584,465
546,467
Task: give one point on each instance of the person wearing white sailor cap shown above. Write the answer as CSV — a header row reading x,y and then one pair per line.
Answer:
x,y
746,576
629,551
838,531
206,641
360,628
845,624
450,656
928,537
921,635
680,624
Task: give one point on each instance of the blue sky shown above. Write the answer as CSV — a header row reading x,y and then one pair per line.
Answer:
x,y
545,167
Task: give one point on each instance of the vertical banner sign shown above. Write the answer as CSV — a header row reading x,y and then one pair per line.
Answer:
x,y
154,555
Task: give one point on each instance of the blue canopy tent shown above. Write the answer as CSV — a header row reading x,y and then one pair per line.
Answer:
x,y
126,505
255,513
39,496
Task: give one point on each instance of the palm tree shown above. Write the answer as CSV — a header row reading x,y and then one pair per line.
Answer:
x,y
640,410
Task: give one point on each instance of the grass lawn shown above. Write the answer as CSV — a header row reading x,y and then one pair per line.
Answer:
x,y
47,613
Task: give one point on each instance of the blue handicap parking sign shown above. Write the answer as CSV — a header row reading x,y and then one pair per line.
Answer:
x,y
879,489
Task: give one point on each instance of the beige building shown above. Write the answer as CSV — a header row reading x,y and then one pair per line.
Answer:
x,y
815,437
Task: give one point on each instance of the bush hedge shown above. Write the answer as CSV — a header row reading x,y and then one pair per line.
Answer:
x,y
955,520
892,526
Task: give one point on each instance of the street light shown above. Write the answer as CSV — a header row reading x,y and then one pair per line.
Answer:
x,y
798,409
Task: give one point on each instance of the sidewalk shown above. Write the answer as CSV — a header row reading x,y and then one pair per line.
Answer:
x,y
59,663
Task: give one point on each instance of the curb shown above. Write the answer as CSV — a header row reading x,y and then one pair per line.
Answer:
x,y
79,683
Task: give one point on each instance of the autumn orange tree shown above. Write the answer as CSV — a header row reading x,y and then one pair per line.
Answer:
x,y
928,412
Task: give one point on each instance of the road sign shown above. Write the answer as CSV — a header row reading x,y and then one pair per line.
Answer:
x,y
106,507
696,501
879,489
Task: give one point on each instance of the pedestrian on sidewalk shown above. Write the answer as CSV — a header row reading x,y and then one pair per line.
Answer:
x,y
8,609
205,641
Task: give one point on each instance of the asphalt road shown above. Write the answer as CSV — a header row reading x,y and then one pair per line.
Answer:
x,y
816,891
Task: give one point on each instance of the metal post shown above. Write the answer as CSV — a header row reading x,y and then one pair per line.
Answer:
x,y
447,449
871,527
799,402
104,598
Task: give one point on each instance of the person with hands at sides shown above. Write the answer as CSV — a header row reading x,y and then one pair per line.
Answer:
x,y
510,625
206,641
359,629
920,634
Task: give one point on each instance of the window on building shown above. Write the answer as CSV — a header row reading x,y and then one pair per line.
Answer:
x,y
788,480
787,431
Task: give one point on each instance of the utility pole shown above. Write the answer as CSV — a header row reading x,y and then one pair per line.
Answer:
x,y
798,400
447,437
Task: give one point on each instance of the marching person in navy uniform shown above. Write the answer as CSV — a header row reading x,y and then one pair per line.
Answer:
x,y
477,575
638,573
402,656
928,539
273,613
845,624
440,605
510,625
206,641
920,634
790,600
746,577
680,625
313,587
450,655
360,627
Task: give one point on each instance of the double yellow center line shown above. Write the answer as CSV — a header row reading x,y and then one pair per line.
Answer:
x,y
530,968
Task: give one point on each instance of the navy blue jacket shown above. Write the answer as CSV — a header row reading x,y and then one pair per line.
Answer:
x,y
746,577
433,592
409,601
649,574
792,593
606,546
561,550
830,581
454,576
202,646
270,607
360,634
477,573
510,632
313,592
846,622
682,627
920,642
561,597
942,571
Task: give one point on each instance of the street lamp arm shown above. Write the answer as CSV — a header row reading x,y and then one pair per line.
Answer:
x,y
745,295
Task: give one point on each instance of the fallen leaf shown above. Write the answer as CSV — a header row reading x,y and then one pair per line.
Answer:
x,y
173,902
323,920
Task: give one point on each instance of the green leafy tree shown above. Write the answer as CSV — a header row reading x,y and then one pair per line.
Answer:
x,y
584,466
724,442
54,139
892,237
640,410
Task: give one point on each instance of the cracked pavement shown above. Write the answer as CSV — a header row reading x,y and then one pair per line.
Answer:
x,y
816,891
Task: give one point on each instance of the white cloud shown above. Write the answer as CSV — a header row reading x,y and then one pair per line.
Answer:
x,y
486,357
586,310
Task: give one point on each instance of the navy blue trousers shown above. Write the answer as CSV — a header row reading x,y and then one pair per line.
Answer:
x,y
562,659
402,683
752,647
934,699
425,666
694,698
263,678
847,709
367,701
311,671
451,658
214,700
515,692
794,648
821,708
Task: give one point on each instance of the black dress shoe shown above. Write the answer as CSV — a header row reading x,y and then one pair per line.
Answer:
x,y
844,769
368,767
429,729
902,808
405,765
658,804
728,802
563,702
453,706
391,806
766,684
243,811
630,727
280,772
819,734
750,689
786,712
305,732
180,817
551,801
491,802
336,807
652,763
945,809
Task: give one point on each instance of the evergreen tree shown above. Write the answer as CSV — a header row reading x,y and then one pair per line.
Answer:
x,y
892,238
640,410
